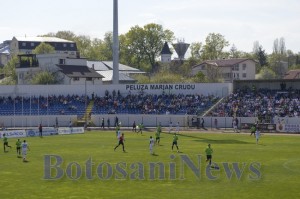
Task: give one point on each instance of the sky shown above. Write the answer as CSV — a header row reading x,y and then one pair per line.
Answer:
x,y
241,22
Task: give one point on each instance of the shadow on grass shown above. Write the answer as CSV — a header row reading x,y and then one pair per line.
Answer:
x,y
212,141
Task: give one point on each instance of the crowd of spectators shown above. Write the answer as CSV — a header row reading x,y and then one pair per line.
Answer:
x,y
262,103
43,105
110,103
153,104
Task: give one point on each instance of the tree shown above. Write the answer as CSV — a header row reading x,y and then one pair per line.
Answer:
x,y
262,57
200,78
214,45
43,77
278,57
279,46
67,35
234,53
196,48
266,73
144,44
256,46
9,71
44,48
213,73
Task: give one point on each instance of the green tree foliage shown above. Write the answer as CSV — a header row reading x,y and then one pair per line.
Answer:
x,y
142,78
213,47
83,42
213,74
144,44
235,53
278,57
43,77
196,49
44,48
166,77
266,73
9,72
262,57
200,78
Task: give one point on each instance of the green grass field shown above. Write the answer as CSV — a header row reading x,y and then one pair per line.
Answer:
x,y
278,175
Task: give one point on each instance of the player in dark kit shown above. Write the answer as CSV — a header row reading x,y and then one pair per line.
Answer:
x,y
121,142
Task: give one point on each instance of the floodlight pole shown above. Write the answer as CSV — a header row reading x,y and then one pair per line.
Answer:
x,y
115,44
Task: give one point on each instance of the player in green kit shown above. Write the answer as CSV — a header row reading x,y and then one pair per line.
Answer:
x,y
18,144
157,138
252,130
5,143
175,139
209,152
117,130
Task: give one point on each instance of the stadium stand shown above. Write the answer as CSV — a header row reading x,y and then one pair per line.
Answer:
x,y
176,104
262,103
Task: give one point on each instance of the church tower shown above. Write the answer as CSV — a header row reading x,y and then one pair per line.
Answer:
x,y
166,54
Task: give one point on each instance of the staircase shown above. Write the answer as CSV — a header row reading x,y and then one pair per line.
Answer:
x,y
86,118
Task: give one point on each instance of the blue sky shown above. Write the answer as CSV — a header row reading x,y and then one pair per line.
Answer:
x,y
241,22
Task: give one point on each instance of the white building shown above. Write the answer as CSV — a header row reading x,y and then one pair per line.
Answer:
x,y
105,69
68,70
229,69
25,45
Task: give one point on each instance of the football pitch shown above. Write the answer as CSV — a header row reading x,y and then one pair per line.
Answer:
x,y
86,166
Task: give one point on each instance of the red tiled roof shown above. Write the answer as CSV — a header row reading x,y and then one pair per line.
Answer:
x,y
292,74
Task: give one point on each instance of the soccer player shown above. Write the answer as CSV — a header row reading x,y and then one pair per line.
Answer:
x,y
117,131
102,123
151,145
5,142
18,144
257,135
175,139
158,129
235,125
121,142
209,152
252,130
41,130
177,127
118,134
25,147
170,127
140,128
134,127
157,137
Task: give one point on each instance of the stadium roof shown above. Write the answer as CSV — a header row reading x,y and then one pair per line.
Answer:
x,y
43,39
108,65
225,62
5,50
79,71
108,76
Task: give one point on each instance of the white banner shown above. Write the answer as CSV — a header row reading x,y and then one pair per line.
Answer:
x,y
77,130
47,131
288,128
13,133
68,131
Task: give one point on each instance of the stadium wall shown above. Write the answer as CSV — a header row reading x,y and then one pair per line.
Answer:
x,y
217,89
279,124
